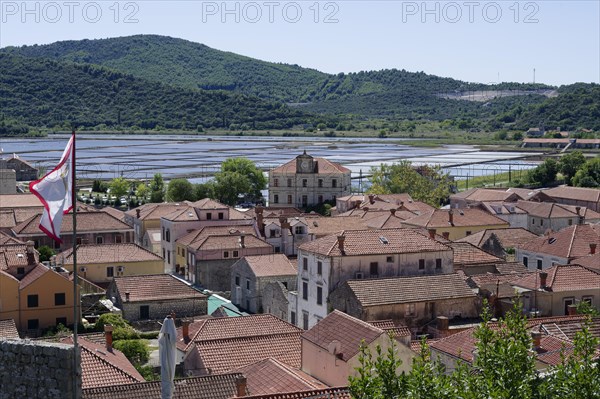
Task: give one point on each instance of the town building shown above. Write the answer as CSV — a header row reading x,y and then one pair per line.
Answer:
x,y
413,301
326,263
101,263
499,242
453,224
92,228
576,196
24,171
559,248
276,300
477,196
308,181
152,297
251,274
33,295
331,348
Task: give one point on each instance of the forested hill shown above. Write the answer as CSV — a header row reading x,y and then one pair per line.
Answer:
x,y
44,92
192,65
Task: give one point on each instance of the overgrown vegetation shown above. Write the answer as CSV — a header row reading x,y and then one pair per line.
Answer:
x,y
503,368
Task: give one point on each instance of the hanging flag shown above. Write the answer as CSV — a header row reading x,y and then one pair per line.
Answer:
x,y
55,190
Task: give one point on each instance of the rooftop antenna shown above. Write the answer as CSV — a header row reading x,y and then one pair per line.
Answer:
x,y
533,75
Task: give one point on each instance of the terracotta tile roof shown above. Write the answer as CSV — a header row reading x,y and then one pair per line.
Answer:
x,y
385,291
208,204
389,326
439,218
269,376
114,212
222,355
234,327
590,261
510,267
508,238
468,254
86,222
223,242
347,331
20,201
275,212
200,235
553,210
16,255
270,265
321,227
389,220
322,166
8,329
182,215
570,242
328,393
563,278
101,367
566,329
218,386
487,194
155,287
108,253
367,242
9,218
574,193
35,274
156,211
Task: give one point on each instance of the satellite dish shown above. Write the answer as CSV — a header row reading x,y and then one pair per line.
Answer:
x,y
334,347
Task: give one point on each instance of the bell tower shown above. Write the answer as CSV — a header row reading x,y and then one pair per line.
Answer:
x,y
305,163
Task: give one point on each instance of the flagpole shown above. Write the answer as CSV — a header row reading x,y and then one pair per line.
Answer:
x,y
75,291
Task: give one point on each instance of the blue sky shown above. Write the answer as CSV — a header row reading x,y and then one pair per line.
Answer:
x,y
482,41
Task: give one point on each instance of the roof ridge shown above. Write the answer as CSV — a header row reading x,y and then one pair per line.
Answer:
x,y
103,360
359,321
245,337
572,240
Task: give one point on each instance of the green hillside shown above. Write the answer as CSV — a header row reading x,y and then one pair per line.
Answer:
x,y
192,65
48,93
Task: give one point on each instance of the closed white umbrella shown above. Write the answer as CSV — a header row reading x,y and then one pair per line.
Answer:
x,y
166,353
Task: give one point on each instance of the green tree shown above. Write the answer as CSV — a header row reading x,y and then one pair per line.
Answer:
x,y
543,174
180,190
157,189
429,184
142,191
238,177
136,350
204,190
46,253
119,187
229,186
99,186
589,174
569,164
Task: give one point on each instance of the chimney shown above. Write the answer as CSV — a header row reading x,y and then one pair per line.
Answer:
x,y
30,247
451,217
185,329
593,246
127,297
240,386
357,204
242,241
536,339
442,323
393,211
108,334
371,199
401,204
260,221
137,212
340,240
431,233
543,279
446,235
572,310
578,210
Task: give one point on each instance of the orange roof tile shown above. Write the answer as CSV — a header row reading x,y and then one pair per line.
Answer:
x,y
108,253
590,261
154,287
35,274
574,193
321,227
200,235
346,330
86,222
270,265
468,254
5,239
385,291
367,242
223,242
101,367
563,278
440,218
570,242
222,355
20,201
322,166
218,386
328,393
508,238
16,255
269,376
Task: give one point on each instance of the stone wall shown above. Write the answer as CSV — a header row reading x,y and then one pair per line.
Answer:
x,y
275,300
8,181
37,370
158,310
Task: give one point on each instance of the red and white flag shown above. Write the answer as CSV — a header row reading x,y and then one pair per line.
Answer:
x,y
55,190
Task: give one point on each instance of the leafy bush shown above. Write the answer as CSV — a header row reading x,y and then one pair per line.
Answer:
x,y
136,350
